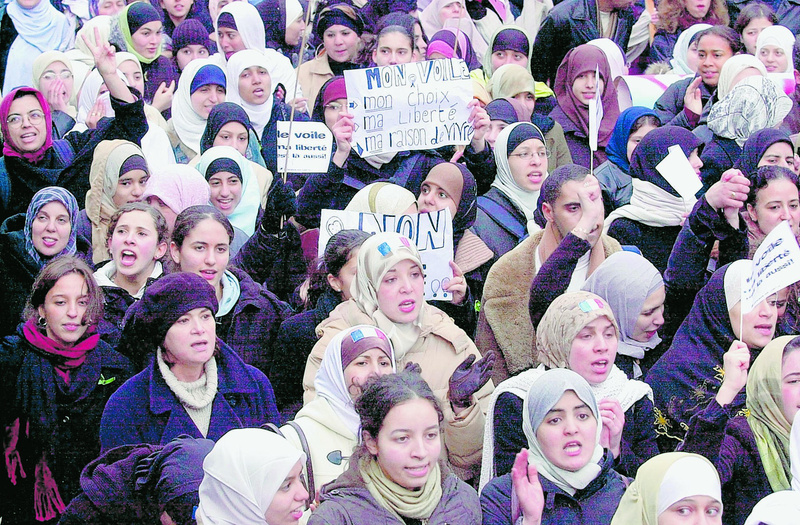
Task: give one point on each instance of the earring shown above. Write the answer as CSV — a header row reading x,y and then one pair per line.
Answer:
x,y
41,322
337,289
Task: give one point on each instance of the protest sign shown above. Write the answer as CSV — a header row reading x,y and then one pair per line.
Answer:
x,y
776,265
311,147
680,174
595,112
420,105
432,233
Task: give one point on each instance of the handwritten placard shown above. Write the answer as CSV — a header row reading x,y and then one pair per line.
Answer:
x,y
421,105
431,232
311,147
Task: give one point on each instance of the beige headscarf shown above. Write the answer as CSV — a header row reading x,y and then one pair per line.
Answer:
x,y
382,197
109,157
377,256
41,64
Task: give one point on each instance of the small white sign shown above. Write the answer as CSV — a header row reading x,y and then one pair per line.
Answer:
x,y
311,147
776,265
680,174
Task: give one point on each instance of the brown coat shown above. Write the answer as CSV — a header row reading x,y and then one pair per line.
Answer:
x,y
312,75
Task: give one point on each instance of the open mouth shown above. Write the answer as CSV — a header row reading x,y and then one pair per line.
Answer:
x,y
573,448
49,241
127,258
600,366
200,346
27,138
297,513
418,471
407,306
208,275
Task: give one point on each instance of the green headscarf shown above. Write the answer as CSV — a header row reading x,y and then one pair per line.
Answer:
x,y
126,34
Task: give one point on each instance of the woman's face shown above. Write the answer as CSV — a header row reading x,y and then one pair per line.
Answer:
x,y
147,38
51,229
508,56
651,318
451,10
28,4
778,201
495,127
790,384
191,339
527,99
341,43
189,53
289,502
697,8
26,124
226,191
294,33
57,71
233,134
408,444
341,283
751,32
586,86
568,433
779,154
332,111
694,160
393,48
168,213
692,510
692,59
636,137
774,59
369,365
528,163
433,197
419,40
130,187
255,85
133,74
230,41
110,7
755,328
134,244
64,308
176,9
712,52
400,293
594,350
205,251
206,97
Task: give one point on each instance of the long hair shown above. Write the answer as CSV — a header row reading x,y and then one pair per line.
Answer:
x,y
49,276
670,13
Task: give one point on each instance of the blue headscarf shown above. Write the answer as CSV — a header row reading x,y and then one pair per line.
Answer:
x,y
43,197
617,149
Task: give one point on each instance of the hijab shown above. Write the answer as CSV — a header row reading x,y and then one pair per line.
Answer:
x,y
379,254
507,38
259,114
330,381
625,280
680,53
248,23
44,61
617,149
654,201
778,508
109,158
731,69
756,145
243,473
382,197
220,115
584,59
188,124
456,180
524,200
40,199
663,481
509,110
754,103
9,148
509,80
178,186
245,215
130,19
764,403
543,395
779,36
431,23
90,93
444,42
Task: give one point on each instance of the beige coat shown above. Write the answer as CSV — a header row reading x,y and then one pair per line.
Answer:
x,y
442,346
312,75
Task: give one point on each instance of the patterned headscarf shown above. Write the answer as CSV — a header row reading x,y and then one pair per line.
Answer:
x,y
43,197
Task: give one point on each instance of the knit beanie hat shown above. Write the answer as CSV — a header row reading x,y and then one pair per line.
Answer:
x,y
223,164
522,133
190,32
141,13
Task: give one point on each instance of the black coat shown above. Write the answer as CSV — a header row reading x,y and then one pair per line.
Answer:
x,y
655,242
718,156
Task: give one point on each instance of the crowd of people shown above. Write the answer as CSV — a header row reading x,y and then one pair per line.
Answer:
x,y
175,352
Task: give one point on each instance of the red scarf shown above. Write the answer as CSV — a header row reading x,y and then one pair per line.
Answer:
x,y
64,358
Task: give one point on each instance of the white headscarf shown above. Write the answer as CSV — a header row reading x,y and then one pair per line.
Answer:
x,y
187,123
680,53
431,23
543,395
259,113
778,36
329,381
778,508
90,93
731,69
243,472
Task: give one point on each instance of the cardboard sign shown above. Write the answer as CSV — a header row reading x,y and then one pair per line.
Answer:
x,y
421,105
311,147
680,174
432,233
776,265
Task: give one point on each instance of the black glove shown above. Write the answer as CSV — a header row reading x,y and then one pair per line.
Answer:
x,y
281,201
413,368
468,378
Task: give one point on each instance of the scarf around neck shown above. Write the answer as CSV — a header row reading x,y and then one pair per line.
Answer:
x,y
64,358
400,501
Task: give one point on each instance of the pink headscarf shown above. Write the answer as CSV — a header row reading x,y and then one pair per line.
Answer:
x,y
9,148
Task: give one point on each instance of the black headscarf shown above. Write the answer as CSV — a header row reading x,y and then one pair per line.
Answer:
x,y
220,115
755,147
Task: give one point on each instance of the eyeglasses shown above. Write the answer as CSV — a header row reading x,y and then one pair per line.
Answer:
x,y
525,155
51,75
35,117
334,106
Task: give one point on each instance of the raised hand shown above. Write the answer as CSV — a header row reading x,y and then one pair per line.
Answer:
x,y
736,362
162,98
342,134
480,122
693,99
590,225
468,378
457,285
613,422
528,489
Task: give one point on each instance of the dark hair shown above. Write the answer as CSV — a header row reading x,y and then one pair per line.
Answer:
x,y
404,20
388,391
337,252
551,188
751,12
49,276
725,33
670,13
186,221
645,120
790,347
796,54
162,228
761,178
396,29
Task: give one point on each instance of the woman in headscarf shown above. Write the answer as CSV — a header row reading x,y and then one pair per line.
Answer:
x,y
54,78
677,16
614,174
195,384
440,14
687,377
779,507
384,482
564,463
252,477
577,332
173,13
684,59
575,86
652,219
618,67
670,489
750,452
329,424
284,24
189,42
502,113
388,293
774,48
59,376
508,45
229,125
203,86
30,29
754,103
29,241
442,44
174,189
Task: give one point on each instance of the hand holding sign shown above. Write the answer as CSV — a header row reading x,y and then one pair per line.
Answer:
x,y
310,147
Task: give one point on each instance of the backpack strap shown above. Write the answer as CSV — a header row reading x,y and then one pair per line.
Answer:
x,y
312,491
502,217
